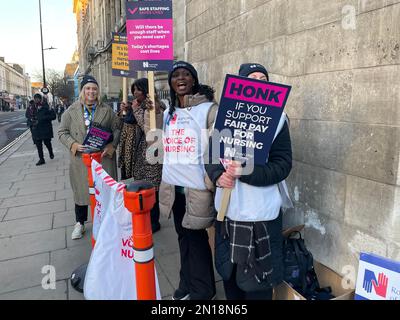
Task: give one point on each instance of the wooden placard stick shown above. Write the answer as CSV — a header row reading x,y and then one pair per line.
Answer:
x,y
124,92
226,195
150,77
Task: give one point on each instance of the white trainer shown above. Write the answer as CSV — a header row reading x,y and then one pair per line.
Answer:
x,y
78,232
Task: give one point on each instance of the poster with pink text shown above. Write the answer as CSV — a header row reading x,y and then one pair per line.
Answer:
x,y
248,116
149,28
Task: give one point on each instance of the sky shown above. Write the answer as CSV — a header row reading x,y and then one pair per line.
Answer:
x,y
20,33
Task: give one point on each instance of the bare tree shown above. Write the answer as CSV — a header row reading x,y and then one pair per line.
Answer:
x,y
57,84
66,90
54,82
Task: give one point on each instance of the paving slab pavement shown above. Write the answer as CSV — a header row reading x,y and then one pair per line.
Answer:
x,y
36,221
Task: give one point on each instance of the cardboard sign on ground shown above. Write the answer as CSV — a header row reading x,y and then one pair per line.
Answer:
x,y
378,278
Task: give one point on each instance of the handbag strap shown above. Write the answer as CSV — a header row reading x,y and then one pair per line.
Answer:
x,y
300,259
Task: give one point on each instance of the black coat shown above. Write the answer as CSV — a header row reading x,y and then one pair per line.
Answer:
x,y
30,115
43,130
276,170
31,120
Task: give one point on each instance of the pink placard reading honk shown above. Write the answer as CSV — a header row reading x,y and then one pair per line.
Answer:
x,y
265,93
151,39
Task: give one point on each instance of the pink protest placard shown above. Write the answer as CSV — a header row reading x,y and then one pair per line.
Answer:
x,y
249,113
265,93
149,27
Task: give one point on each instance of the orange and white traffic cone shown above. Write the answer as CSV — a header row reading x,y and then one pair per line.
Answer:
x,y
87,160
140,198
78,275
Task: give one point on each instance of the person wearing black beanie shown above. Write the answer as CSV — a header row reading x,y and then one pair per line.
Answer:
x,y
88,79
184,65
195,88
37,97
253,70
265,194
40,116
185,189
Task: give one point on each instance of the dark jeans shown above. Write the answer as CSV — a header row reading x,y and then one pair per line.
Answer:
x,y
39,146
155,214
197,272
123,174
81,213
233,292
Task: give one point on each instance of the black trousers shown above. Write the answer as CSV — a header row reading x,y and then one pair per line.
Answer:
x,y
123,174
39,146
81,213
197,272
155,213
233,292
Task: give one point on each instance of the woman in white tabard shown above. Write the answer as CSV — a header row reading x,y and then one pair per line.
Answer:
x,y
185,190
249,241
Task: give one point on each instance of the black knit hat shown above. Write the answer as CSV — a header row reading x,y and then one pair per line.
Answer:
x,y
187,66
88,79
248,68
37,96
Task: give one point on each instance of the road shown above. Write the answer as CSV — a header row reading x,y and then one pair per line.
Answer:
x,y
12,124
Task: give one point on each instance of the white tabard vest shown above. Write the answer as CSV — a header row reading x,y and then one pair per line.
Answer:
x,y
251,203
185,141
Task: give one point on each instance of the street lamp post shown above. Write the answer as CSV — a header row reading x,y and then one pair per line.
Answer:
x,y
41,39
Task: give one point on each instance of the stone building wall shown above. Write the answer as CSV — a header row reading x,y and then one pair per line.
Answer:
x,y
14,81
96,20
342,58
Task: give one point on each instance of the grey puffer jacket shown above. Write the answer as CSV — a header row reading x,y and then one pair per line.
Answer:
x,y
200,212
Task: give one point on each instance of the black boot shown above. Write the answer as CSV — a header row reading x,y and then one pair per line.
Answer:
x,y
39,146
49,147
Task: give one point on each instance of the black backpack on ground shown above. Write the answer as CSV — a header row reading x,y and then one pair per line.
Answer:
x,y
299,270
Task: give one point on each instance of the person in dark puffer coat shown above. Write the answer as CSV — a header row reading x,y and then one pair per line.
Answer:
x,y
256,201
42,129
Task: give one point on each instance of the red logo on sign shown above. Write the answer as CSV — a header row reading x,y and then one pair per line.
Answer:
x,y
173,120
133,11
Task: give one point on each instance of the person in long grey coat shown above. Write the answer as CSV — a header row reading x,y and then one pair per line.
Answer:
x,y
75,123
